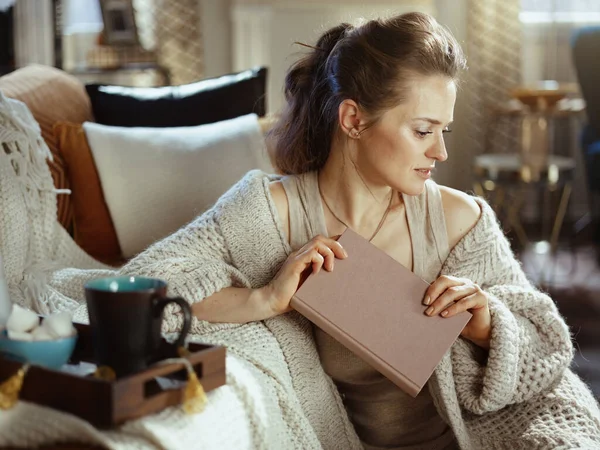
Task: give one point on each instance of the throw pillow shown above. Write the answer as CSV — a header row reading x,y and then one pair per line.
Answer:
x,y
156,180
207,101
94,231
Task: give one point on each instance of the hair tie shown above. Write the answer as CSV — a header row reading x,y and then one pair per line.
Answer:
x,y
309,46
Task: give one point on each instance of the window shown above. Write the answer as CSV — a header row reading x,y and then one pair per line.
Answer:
x,y
548,26
560,11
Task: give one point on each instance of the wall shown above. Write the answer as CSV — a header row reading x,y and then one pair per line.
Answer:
x,y
456,172
33,32
216,34
264,31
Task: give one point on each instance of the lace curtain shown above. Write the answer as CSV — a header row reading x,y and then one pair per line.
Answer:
x,y
172,28
494,59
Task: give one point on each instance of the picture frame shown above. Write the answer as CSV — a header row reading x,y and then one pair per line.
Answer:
x,y
119,23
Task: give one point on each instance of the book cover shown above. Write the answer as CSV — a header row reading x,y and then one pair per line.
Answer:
x,y
373,305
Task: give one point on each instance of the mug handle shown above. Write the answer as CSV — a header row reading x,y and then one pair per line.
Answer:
x,y
160,305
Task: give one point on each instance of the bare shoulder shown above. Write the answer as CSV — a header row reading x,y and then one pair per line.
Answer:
x,y
461,211
281,203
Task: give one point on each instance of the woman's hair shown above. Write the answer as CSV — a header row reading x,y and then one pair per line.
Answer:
x,y
370,64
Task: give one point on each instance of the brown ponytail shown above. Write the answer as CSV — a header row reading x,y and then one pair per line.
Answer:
x,y
368,64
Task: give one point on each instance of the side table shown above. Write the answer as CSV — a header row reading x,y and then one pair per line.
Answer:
x,y
505,179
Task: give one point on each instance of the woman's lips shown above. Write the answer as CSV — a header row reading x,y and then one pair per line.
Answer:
x,y
424,173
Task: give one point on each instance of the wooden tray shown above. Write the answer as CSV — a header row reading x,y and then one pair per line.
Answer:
x,y
74,389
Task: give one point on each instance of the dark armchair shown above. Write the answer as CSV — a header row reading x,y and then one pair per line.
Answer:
x,y
586,57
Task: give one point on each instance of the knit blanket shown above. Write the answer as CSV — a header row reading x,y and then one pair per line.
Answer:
x,y
519,395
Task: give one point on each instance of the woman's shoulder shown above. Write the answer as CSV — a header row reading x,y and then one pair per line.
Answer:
x,y
248,195
247,211
461,212
279,196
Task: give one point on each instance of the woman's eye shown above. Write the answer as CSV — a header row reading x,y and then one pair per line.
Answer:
x,y
423,133
446,130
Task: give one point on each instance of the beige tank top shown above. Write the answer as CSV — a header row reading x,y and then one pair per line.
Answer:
x,y
382,414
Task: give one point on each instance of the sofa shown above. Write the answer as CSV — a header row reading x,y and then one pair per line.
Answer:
x,y
53,96
57,99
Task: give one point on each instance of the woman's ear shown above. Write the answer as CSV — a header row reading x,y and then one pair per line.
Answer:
x,y
350,120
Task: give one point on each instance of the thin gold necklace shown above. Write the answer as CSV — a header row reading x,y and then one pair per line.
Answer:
x,y
385,214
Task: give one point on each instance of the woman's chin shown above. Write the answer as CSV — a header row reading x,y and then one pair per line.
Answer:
x,y
413,189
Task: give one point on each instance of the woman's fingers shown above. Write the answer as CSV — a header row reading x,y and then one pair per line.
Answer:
x,y
448,297
318,261
470,302
320,256
328,248
332,244
439,286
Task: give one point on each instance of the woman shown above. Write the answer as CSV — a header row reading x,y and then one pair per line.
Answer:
x,y
362,130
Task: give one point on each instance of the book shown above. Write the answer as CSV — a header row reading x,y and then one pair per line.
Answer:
x,y
373,305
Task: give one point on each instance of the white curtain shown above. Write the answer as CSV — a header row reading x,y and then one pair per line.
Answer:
x,y
34,32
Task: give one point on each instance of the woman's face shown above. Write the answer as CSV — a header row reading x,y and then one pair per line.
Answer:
x,y
402,148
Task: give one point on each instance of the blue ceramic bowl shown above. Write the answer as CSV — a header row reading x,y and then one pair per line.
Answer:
x,y
51,354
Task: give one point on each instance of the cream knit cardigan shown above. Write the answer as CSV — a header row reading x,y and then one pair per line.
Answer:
x,y
521,395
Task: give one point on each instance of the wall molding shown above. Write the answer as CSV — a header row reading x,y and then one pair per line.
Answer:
x,y
34,32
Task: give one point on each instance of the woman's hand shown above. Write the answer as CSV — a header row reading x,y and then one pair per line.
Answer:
x,y
319,252
449,296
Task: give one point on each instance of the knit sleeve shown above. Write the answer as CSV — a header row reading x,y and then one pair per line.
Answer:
x,y
236,243
195,263
530,344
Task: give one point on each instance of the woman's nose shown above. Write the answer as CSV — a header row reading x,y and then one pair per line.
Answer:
x,y
438,150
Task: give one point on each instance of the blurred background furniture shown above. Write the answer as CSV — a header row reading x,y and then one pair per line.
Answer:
x,y
586,58
138,75
538,169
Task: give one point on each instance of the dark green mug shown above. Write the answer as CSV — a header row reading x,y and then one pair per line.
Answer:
x,y
125,318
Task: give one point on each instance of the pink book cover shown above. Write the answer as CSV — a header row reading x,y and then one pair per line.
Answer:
x,y
373,305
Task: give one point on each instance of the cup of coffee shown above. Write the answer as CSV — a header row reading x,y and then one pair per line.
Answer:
x,y
125,319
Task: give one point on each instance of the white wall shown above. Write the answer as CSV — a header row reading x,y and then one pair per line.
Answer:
x,y
457,171
264,31
34,34
216,35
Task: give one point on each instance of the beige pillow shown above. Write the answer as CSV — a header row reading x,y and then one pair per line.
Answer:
x,y
156,180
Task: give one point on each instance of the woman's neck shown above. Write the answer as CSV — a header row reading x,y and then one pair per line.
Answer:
x,y
353,197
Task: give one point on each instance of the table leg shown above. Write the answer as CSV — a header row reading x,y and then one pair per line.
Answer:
x,y
560,216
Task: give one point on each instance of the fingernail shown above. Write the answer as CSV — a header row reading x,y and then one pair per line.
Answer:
x,y
429,310
345,253
427,301
444,313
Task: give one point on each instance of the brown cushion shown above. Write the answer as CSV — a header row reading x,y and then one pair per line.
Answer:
x,y
52,96
93,228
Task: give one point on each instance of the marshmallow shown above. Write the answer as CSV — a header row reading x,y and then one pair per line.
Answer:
x,y
22,320
41,333
59,325
19,336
